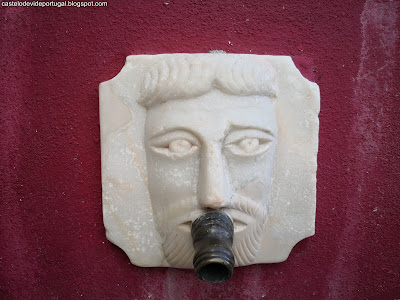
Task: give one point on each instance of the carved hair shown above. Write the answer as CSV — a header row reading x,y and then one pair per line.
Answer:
x,y
186,76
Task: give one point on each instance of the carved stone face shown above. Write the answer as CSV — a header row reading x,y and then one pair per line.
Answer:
x,y
182,134
212,152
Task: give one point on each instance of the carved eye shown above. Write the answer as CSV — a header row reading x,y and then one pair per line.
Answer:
x,y
248,142
249,145
175,144
180,146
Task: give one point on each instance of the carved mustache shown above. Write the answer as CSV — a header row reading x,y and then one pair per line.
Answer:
x,y
242,208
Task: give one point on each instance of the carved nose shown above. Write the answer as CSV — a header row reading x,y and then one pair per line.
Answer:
x,y
214,187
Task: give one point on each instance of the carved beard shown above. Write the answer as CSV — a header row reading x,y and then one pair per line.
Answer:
x,y
178,249
247,242
178,245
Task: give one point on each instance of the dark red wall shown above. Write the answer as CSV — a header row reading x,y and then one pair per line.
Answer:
x,y
52,240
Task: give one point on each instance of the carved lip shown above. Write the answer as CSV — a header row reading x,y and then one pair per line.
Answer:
x,y
240,220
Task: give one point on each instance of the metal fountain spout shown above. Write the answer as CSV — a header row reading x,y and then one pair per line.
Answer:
x,y
212,235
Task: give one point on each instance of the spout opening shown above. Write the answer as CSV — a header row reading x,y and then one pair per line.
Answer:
x,y
214,272
212,235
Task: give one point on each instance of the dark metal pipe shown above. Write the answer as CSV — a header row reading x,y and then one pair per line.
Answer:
x,y
212,235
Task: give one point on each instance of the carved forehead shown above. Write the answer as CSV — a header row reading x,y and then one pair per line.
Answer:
x,y
212,114
189,76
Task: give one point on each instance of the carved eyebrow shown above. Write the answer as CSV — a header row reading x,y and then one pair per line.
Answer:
x,y
248,132
167,129
237,127
166,136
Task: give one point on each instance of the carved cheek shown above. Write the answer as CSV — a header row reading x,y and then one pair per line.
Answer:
x,y
172,185
243,170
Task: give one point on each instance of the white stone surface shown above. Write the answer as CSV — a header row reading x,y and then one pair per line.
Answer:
x,y
185,133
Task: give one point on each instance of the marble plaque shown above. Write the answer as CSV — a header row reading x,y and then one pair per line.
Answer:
x,y
184,134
